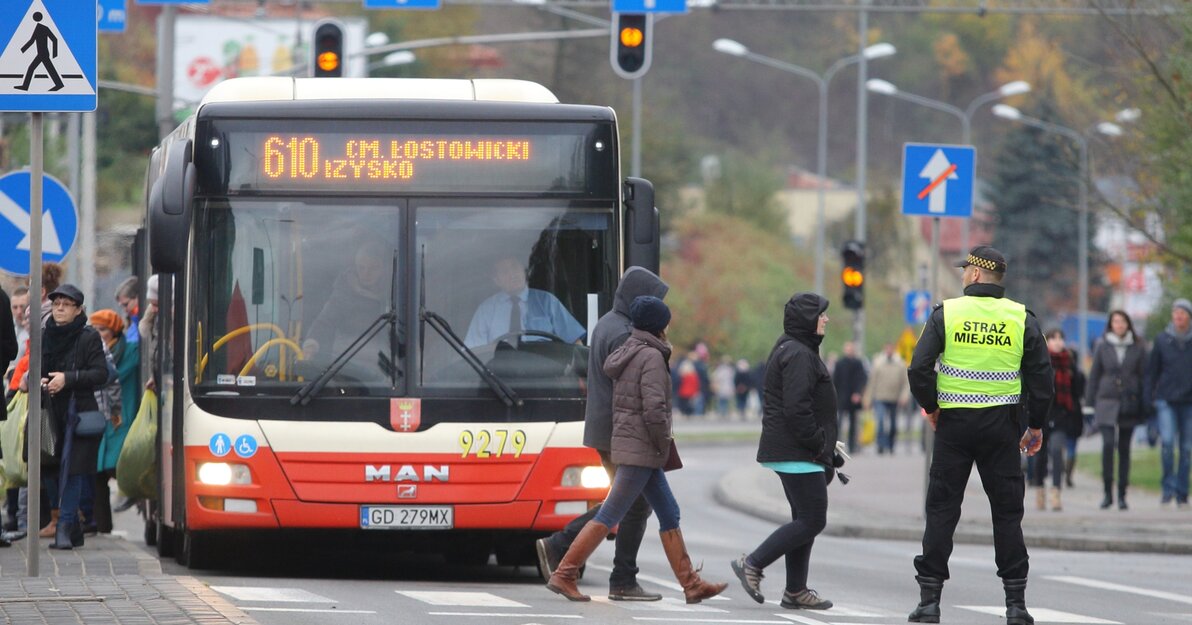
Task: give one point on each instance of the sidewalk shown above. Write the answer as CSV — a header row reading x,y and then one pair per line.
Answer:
x,y
885,500
107,581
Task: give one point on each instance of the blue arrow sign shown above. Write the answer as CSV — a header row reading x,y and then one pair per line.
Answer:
x,y
917,307
173,1
937,180
59,226
402,4
649,6
112,15
49,56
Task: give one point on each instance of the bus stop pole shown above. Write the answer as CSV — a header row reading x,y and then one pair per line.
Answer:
x,y
33,422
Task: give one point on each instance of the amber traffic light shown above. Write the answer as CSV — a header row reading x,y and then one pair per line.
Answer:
x,y
329,50
631,43
852,276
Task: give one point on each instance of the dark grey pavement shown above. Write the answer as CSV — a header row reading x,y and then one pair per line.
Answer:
x,y
885,500
107,582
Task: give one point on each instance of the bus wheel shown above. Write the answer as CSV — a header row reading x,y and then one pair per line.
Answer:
x,y
194,550
150,532
165,537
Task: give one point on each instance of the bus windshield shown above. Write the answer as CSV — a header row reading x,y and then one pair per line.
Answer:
x,y
517,284
284,287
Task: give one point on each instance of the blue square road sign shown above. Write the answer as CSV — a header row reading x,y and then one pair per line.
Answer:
x,y
47,56
113,14
403,4
649,6
938,180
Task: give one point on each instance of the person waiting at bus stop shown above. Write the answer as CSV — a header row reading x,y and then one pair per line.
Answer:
x,y
991,357
517,308
641,446
75,366
612,330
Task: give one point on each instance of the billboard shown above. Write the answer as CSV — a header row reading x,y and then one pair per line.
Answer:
x,y
210,49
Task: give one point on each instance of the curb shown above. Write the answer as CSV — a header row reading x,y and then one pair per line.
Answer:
x,y
850,526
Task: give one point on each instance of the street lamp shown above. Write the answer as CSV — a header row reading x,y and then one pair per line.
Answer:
x,y
822,82
400,57
1013,88
1107,128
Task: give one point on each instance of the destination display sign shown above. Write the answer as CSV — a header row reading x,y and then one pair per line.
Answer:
x,y
430,160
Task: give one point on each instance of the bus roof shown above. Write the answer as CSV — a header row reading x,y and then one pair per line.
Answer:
x,y
288,88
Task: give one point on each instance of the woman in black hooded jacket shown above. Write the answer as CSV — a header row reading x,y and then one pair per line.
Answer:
x,y
798,442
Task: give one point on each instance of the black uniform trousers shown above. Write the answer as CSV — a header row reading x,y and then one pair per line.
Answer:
x,y
988,437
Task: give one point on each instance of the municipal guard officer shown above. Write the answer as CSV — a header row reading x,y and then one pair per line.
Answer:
x,y
992,360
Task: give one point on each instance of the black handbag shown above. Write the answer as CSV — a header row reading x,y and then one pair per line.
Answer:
x,y
49,434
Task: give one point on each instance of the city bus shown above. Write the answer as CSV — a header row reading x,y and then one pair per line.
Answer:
x,y
338,347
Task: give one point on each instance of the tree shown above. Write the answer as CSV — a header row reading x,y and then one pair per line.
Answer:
x,y
747,188
1035,189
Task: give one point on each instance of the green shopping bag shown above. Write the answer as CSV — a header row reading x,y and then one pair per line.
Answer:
x,y
136,469
14,472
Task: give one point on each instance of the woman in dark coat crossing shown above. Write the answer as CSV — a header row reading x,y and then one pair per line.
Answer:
x,y
1115,394
798,443
74,366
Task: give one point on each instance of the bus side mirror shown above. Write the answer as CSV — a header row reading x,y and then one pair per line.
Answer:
x,y
170,202
641,225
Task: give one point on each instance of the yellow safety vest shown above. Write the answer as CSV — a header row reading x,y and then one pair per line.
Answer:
x,y
982,357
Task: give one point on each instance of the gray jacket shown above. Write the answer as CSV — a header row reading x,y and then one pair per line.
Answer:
x,y
610,332
1109,377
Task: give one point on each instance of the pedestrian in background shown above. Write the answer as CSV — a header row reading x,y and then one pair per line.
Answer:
x,y
722,380
8,352
1064,420
129,299
743,384
798,443
122,402
611,331
887,393
991,356
1115,394
850,379
1169,387
642,444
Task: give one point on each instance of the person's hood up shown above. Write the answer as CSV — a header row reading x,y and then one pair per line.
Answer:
x,y
636,282
639,340
801,316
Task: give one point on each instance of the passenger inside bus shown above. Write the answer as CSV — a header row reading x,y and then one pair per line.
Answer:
x,y
516,311
359,296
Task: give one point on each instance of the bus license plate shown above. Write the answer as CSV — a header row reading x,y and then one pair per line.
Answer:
x,y
407,517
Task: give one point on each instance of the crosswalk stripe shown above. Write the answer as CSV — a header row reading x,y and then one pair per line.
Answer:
x,y
312,610
508,614
274,595
687,619
667,604
462,599
1042,615
1146,592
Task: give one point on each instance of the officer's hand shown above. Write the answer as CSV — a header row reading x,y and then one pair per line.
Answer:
x,y
1031,441
932,417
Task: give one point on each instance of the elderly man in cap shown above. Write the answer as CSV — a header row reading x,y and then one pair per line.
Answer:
x,y
1169,387
980,359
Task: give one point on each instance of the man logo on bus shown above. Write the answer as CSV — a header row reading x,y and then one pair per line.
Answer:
x,y
405,415
406,473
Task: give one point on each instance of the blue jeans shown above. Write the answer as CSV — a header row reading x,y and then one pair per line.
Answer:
x,y
631,481
1175,425
71,493
886,413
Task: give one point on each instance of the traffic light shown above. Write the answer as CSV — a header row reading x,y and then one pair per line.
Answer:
x,y
852,276
632,40
328,50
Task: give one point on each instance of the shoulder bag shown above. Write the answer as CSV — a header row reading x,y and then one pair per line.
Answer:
x,y
49,434
1129,402
90,423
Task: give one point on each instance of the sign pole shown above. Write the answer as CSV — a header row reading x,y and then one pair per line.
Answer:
x,y
33,424
928,434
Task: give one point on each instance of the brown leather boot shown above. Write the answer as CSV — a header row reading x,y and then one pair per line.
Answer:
x,y
563,580
694,588
52,528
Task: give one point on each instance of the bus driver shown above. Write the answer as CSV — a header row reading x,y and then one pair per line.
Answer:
x,y
517,307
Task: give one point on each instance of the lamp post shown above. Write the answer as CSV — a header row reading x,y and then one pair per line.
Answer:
x,y
1017,87
822,82
1008,112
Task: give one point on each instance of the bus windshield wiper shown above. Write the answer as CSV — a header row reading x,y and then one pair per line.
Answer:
x,y
312,388
389,317
503,391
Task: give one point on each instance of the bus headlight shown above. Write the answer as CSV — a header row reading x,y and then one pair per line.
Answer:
x,y
223,474
587,477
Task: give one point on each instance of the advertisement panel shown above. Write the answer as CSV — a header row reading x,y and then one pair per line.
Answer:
x,y
210,49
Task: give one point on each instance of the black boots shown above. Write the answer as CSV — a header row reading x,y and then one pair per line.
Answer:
x,y
1016,613
1107,500
928,610
68,536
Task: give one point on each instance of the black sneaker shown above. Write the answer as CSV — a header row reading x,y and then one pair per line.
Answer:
x,y
751,578
547,560
806,599
632,593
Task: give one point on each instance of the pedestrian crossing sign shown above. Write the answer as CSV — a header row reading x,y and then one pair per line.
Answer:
x,y
48,58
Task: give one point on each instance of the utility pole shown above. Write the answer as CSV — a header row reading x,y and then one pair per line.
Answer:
x,y
87,206
862,144
165,71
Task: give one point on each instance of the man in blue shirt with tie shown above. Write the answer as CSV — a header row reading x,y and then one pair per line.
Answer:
x,y
517,307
